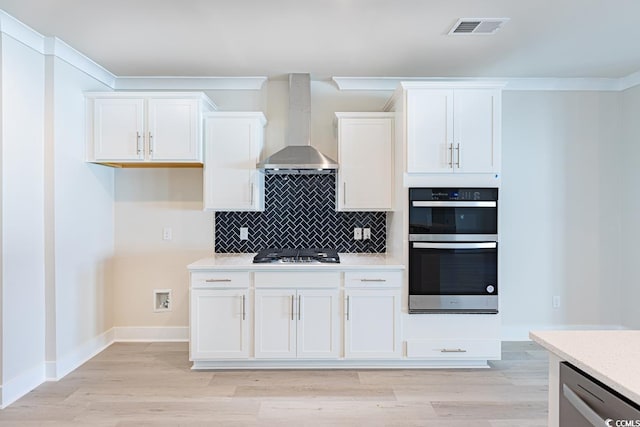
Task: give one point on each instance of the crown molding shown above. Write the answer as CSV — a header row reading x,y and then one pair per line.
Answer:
x,y
630,81
521,84
56,47
21,32
189,83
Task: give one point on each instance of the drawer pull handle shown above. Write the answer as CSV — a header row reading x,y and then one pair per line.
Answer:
x,y
217,280
453,350
373,280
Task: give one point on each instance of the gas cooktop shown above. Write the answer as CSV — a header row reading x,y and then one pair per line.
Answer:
x,y
311,256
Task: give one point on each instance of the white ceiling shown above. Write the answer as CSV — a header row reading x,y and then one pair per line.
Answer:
x,y
381,38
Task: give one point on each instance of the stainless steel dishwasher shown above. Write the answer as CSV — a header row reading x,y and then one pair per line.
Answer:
x,y
585,401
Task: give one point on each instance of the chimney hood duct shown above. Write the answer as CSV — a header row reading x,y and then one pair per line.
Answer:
x,y
299,157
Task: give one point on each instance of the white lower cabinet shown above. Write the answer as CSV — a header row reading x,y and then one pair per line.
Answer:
x,y
297,323
372,324
372,314
220,320
453,337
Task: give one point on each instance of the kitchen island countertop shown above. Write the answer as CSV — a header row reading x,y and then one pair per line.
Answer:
x,y
610,356
348,261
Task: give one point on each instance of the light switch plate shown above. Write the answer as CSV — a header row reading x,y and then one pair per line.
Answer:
x,y
244,233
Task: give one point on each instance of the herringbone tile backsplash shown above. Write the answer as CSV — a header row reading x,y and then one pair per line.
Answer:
x,y
300,212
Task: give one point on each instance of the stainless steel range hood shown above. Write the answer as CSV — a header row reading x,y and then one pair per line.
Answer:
x,y
299,157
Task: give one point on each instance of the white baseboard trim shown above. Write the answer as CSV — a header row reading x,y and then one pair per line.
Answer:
x,y
64,365
151,333
17,387
521,332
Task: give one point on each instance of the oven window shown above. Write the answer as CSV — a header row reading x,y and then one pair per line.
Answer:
x,y
453,271
452,220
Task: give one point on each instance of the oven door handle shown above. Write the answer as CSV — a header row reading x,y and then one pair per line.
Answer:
x,y
453,204
466,245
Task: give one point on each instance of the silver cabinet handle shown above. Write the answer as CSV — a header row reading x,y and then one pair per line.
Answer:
x,y
582,407
453,350
458,150
217,280
348,307
250,192
479,245
451,156
299,307
373,280
292,307
344,192
150,143
244,311
138,149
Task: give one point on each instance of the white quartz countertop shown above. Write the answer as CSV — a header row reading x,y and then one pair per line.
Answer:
x,y
610,356
348,261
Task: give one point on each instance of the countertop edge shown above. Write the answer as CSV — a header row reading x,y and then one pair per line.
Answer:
x,y
600,376
243,262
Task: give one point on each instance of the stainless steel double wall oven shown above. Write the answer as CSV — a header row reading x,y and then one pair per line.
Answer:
x,y
453,250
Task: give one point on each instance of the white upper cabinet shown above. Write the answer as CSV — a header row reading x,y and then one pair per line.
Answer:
x,y
450,128
174,130
118,129
145,127
233,143
365,156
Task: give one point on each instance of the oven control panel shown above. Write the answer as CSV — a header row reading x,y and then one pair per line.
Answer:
x,y
454,194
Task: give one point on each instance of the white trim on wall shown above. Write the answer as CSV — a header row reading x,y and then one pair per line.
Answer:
x,y
151,334
19,386
58,48
21,32
58,369
521,84
629,81
189,83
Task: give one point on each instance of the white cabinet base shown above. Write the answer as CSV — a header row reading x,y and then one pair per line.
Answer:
x,y
338,364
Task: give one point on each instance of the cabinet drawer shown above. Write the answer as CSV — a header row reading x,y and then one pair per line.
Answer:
x,y
221,279
372,279
298,279
454,349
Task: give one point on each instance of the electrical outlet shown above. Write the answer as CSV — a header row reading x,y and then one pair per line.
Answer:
x,y
244,233
556,301
366,233
357,233
167,233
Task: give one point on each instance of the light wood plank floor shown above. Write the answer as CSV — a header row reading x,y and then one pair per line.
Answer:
x,y
150,384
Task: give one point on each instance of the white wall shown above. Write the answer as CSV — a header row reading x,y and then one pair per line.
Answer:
x,y
558,228
22,219
80,226
630,207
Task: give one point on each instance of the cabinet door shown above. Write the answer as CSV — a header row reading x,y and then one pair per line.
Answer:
x,y
372,324
365,154
118,129
476,130
275,324
429,130
318,324
220,322
173,133
231,152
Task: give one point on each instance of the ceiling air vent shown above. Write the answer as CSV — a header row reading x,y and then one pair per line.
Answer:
x,y
480,26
